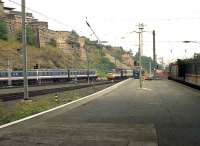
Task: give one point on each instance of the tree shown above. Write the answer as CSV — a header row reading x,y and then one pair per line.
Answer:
x,y
73,39
145,62
53,43
118,54
3,30
105,64
29,36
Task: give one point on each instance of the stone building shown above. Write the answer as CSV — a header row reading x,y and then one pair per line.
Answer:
x,y
43,35
41,31
128,59
1,9
60,38
82,42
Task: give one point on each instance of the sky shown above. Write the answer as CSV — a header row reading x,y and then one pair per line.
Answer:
x,y
173,20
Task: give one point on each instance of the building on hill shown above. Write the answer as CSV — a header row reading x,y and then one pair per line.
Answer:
x,y
127,58
43,35
41,32
2,9
69,42
82,42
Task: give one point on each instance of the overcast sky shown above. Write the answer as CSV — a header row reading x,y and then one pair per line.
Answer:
x,y
173,21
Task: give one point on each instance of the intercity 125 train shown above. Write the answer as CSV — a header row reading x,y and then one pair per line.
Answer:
x,y
45,75
186,71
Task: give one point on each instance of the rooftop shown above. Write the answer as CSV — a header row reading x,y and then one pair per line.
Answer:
x,y
8,8
19,13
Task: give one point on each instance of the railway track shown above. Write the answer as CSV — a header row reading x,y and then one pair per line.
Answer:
x,y
43,84
19,95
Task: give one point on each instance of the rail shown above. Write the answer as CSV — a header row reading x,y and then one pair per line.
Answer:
x,y
19,95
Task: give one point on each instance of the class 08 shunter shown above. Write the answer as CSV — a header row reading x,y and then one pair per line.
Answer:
x,y
45,76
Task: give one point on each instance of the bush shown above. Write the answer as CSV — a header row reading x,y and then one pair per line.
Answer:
x,y
3,30
29,36
53,43
105,65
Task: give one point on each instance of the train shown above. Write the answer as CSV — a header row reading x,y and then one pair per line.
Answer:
x,y
39,76
117,74
186,71
124,73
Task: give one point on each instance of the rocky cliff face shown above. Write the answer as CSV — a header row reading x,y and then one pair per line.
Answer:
x,y
56,49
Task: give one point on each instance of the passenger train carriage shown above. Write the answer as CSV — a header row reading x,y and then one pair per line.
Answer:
x,y
124,73
118,73
45,75
187,71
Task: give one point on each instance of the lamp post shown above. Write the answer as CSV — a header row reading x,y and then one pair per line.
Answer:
x,y
141,27
140,49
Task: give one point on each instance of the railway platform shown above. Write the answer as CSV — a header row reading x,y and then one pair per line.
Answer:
x,y
165,113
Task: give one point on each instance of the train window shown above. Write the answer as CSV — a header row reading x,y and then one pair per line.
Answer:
x,y
16,74
13,74
72,73
197,68
3,74
31,73
39,73
34,73
49,73
54,73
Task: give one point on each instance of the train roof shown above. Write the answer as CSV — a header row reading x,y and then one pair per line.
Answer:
x,y
186,61
51,70
192,60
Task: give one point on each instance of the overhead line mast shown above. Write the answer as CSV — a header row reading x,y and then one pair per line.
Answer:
x,y
24,45
92,30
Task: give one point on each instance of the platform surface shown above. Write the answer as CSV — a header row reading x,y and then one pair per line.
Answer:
x,y
164,113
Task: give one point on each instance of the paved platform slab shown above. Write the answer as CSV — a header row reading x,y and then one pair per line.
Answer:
x,y
100,134
167,114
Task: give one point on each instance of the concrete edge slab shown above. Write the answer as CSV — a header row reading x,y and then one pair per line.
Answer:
x,y
99,93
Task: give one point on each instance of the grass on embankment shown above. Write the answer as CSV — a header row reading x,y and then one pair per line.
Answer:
x,y
15,110
48,57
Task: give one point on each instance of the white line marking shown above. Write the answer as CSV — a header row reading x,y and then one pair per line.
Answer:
x,y
106,90
147,89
